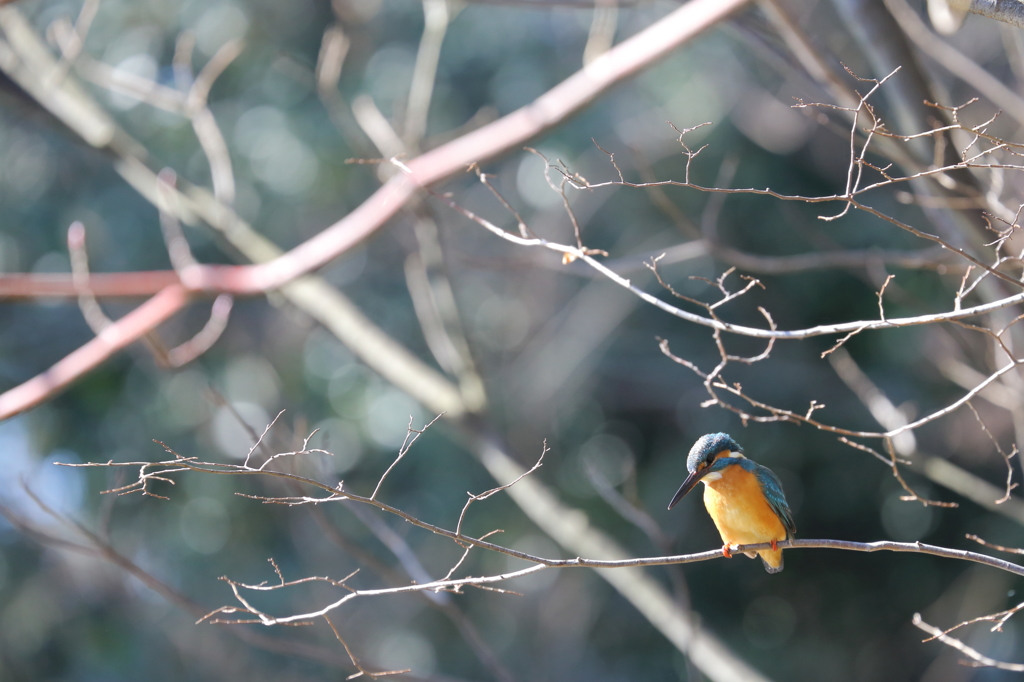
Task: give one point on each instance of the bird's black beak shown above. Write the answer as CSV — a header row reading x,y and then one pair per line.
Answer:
x,y
688,484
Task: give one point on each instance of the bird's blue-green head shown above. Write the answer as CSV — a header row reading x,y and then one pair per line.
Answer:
x,y
708,448
703,454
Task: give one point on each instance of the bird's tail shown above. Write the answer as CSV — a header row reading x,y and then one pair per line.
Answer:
x,y
772,560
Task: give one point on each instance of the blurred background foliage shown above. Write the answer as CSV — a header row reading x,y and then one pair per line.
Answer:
x,y
564,356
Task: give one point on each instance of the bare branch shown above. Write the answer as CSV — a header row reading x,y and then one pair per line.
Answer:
x,y
97,545
355,661
259,440
483,496
978,660
1010,485
220,311
1011,550
955,61
72,39
1008,11
114,338
178,249
411,436
91,311
335,493
435,25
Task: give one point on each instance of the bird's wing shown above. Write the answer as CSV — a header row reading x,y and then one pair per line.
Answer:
x,y
771,486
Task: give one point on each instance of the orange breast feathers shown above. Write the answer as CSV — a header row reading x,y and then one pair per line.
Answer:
x,y
741,512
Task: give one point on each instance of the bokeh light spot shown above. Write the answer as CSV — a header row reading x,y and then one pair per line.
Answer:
x,y
906,521
219,24
251,378
388,412
185,405
769,622
205,525
341,439
402,649
233,439
531,183
502,323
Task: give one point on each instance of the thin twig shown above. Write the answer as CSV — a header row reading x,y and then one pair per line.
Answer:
x,y
483,496
411,436
978,660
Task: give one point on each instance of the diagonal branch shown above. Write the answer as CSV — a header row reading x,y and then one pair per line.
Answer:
x,y
25,59
112,339
979,660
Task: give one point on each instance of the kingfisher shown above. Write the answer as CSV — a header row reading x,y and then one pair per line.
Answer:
x,y
744,499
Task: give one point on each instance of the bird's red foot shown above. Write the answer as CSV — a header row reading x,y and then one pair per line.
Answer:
x,y
726,552
775,545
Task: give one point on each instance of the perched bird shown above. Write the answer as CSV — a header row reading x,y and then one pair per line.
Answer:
x,y
744,499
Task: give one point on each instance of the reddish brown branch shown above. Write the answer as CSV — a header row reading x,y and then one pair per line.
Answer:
x,y
102,285
547,111
117,336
